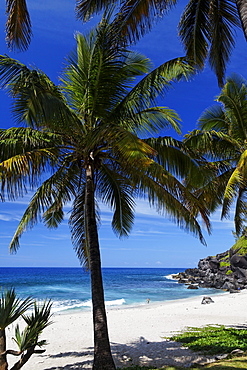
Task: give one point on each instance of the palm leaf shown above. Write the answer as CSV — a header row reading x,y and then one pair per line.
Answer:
x,y
18,26
136,17
169,197
179,160
85,8
194,30
242,11
77,223
117,192
37,101
234,99
223,18
37,321
146,91
206,28
47,200
240,212
11,307
25,154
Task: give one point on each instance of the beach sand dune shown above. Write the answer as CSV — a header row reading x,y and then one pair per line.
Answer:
x,y
137,334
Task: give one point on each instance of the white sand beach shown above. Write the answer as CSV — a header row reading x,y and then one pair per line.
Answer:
x,y
137,333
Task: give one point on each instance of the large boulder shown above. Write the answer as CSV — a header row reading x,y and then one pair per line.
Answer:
x,y
238,261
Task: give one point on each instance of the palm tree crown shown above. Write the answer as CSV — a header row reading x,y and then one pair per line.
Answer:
x,y
222,138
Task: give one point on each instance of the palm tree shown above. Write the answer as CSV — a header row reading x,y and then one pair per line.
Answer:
x,y
11,309
222,138
91,133
206,27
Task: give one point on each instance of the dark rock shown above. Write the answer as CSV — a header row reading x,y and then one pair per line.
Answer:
x,y
227,271
192,286
214,264
207,300
239,261
240,273
228,286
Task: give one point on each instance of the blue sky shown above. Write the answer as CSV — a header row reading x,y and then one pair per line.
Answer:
x,y
154,241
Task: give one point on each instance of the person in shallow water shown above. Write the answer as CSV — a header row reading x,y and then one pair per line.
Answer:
x,y
148,300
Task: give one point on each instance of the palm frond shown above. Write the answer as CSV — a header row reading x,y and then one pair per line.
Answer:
x,y
117,192
234,99
136,17
86,8
213,144
181,161
78,228
223,18
171,198
36,322
11,307
214,118
240,212
242,11
54,192
157,82
18,25
95,77
206,28
234,183
37,101
194,30
25,153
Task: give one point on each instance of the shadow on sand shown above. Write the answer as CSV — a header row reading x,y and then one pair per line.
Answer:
x,y
140,352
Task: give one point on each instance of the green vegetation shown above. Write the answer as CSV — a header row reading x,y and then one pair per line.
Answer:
x,y
229,272
241,246
11,309
224,263
221,140
213,339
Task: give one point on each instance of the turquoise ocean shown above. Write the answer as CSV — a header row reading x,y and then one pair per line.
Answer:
x,y
69,288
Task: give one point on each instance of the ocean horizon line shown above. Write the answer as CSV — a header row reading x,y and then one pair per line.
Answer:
x,y
83,268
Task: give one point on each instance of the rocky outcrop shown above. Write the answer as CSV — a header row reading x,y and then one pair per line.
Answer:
x,y
227,270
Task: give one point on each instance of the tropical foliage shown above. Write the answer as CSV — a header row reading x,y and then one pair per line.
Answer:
x,y
213,340
89,136
207,27
222,139
11,309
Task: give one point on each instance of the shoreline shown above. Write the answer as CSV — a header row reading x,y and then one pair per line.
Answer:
x,y
78,310
137,333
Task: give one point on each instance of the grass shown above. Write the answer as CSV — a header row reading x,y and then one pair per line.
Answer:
x,y
213,339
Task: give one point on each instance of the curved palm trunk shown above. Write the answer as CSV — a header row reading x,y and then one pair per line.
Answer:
x,y
3,358
102,353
